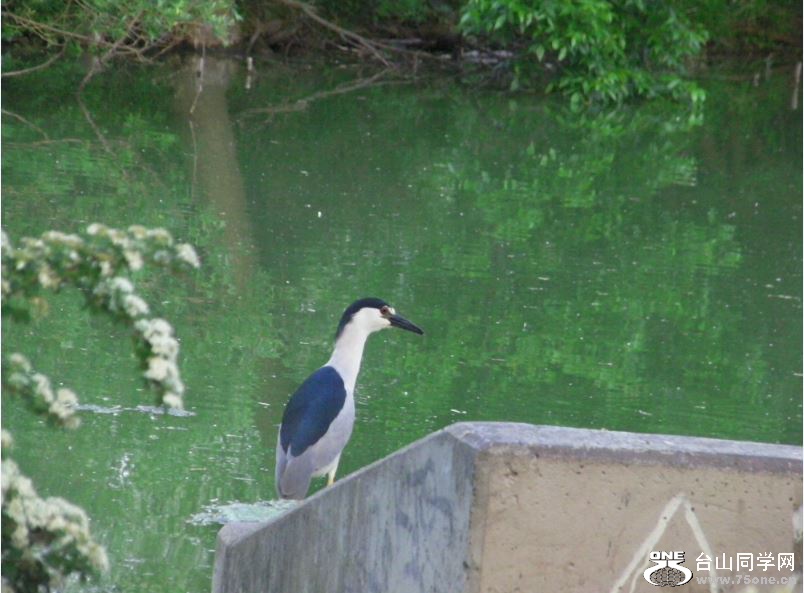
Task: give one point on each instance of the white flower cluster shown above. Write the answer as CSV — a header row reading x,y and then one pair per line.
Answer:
x,y
6,441
186,253
163,348
65,239
43,528
48,277
138,241
57,258
36,387
118,295
163,354
49,256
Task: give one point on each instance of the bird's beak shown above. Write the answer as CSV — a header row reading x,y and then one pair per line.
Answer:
x,y
402,323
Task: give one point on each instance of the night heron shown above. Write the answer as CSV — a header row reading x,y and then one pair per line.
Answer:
x,y
319,417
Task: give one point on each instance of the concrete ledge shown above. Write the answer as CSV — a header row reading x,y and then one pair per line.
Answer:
x,y
629,447
497,507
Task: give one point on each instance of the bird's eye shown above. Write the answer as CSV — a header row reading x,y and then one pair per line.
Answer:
x,y
385,310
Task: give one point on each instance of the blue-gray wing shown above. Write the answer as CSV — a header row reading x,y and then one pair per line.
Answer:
x,y
307,418
311,410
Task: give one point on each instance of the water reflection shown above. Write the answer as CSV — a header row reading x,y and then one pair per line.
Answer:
x,y
216,181
635,270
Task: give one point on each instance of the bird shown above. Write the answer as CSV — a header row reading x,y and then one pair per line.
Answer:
x,y
318,419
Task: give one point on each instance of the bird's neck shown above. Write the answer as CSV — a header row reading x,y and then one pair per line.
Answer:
x,y
347,355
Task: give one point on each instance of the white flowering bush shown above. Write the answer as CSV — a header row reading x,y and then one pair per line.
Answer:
x,y
45,540
20,378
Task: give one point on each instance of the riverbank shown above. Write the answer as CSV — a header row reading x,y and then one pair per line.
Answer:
x,y
608,52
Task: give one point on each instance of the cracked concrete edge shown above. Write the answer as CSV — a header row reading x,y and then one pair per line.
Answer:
x,y
628,447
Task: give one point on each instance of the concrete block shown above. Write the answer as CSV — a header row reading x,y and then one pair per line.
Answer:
x,y
504,507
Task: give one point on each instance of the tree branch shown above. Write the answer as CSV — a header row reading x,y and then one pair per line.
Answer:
x,y
373,47
26,122
96,65
304,102
36,27
345,34
41,66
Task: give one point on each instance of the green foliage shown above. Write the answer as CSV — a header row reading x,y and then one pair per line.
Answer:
x,y
125,27
605,50
592,51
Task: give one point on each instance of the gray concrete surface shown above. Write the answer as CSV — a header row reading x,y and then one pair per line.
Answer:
x,y
504,507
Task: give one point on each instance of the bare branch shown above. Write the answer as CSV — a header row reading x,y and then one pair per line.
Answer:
x,y
41,29
304,102
199,87
345,34
355,39
36,25
97,64
41,66
45,143
91,121
26,122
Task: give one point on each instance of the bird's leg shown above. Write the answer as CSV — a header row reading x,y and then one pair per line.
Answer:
x,y
331,473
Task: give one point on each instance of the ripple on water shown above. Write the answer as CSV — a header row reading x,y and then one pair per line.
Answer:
x,y
95,409
241,512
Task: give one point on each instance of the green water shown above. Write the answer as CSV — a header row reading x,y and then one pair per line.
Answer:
x,y
629,270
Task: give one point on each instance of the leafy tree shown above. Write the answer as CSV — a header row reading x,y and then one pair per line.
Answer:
x,y
120,28
605,50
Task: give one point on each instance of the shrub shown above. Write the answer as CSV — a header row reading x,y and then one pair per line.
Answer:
x,y
45,540
604,50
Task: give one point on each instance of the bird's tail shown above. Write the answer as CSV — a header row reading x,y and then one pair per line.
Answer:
x,y
294,482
